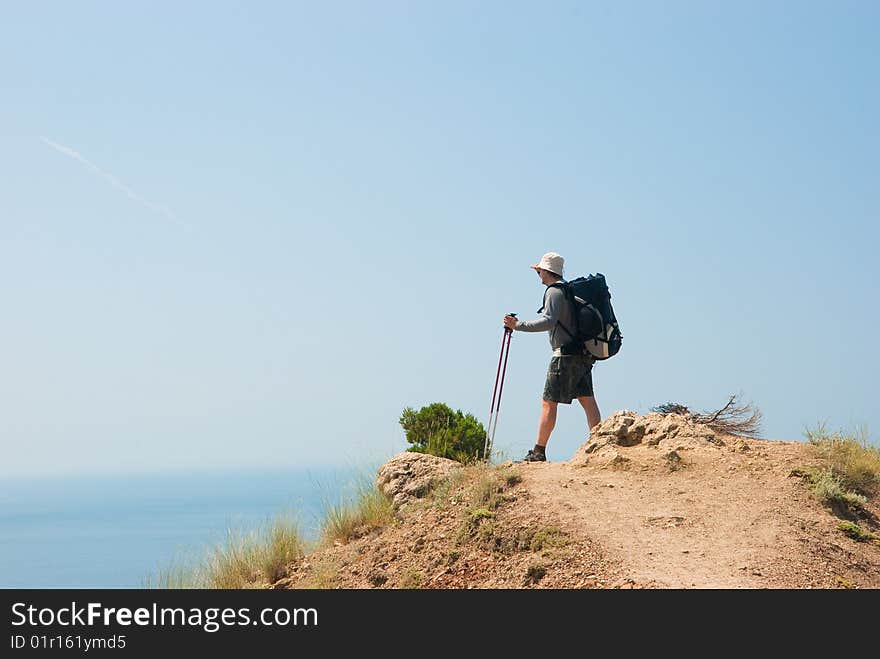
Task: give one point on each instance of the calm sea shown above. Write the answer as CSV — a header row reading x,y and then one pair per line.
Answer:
x,y
118,532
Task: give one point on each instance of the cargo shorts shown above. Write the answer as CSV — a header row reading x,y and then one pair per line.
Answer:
x,y
569,377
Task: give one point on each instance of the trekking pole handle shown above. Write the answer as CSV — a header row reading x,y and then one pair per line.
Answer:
x,y
507,329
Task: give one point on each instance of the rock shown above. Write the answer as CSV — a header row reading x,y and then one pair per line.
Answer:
x,y
620,424
410,476
637,431
622,429
673,461
619,462
625,428
377,578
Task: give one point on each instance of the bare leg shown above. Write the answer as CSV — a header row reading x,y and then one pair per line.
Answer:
x,y
592,410
548,421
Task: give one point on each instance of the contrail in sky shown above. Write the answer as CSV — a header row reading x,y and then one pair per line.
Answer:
x,y
115,182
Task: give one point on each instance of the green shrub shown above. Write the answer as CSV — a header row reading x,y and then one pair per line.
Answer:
x,y
478,515
438,430
534,574
411,579
549,536
828,487
856,532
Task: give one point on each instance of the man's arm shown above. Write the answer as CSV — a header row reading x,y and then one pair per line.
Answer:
x,y
553,301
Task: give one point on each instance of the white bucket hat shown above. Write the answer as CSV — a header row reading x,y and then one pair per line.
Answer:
x,y
552,262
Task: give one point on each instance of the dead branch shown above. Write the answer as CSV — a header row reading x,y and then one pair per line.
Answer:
x,y
740,419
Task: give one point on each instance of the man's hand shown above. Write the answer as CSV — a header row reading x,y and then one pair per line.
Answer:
x,y
510,322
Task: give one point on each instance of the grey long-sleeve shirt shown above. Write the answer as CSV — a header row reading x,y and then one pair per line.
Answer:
x,y
556,309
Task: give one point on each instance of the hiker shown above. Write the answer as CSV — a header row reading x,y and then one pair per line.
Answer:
x,y
569,376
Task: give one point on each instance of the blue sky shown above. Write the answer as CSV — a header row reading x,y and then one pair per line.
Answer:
x,y
236,235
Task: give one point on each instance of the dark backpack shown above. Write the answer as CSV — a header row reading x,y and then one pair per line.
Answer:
x,y
596,325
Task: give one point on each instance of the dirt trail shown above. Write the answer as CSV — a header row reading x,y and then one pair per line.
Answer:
x,y
725,518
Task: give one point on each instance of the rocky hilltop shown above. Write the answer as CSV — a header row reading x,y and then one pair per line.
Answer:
x,y
653,501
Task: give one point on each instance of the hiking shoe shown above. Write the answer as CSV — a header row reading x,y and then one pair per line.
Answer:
x,y
531,456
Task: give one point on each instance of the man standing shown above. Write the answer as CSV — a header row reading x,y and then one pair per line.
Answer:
x,y
569,375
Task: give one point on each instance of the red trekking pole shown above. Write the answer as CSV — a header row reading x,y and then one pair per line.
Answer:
x,y
496,391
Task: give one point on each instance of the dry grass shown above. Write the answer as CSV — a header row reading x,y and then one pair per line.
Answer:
x,y
444,489
177,576
346,521
323,575
491,484
851,458
255,559
245,560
